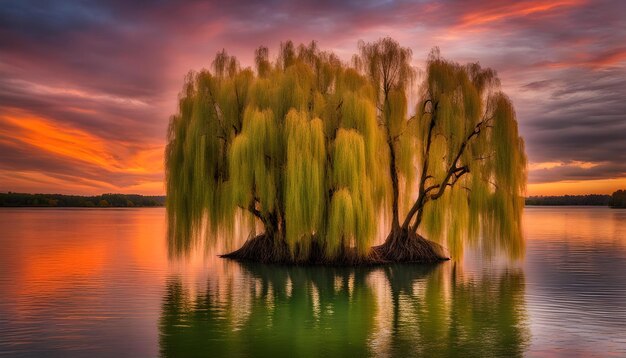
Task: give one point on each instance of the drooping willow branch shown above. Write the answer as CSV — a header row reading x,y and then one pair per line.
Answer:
x,y
314,149
454,170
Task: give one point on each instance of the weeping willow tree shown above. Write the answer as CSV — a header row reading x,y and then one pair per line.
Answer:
x,y
294,148
387,66
471,160
313,152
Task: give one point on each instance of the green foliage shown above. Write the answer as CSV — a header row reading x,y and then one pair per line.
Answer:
x,y
284,146
359,114
352,208
305,186
196,157
252,156
388,68
314,150
475,137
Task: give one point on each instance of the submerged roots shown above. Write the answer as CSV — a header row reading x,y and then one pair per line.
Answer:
x,y
400,246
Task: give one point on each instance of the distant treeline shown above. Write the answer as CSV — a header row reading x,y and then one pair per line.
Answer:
x,y
59,200
618,199
592,199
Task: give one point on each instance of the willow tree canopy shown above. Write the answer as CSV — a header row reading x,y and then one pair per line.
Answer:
x,y
314,151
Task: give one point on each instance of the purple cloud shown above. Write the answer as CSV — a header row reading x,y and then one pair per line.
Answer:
x,y
112,70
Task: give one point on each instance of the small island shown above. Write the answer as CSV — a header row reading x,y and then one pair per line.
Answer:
x,y
317,153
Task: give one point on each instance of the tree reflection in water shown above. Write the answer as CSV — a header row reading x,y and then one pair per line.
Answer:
x,y
399,310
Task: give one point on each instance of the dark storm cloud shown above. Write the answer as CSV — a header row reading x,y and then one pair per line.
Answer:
x,y
112,69
581,119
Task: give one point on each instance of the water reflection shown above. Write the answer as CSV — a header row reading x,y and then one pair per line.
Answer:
x,y
91,283
276,310
403,310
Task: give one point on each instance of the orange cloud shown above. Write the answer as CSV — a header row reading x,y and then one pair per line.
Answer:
x,y
551,165
585,60
579,187
512,10
126,166
35,181
80,145
59,140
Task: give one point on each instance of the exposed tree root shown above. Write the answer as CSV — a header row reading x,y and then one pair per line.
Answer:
x,y
401,246
404,245
262,249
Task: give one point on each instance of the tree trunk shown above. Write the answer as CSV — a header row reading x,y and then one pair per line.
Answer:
x,y
395,221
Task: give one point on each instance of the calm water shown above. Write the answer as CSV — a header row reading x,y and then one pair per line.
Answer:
x,y
90,282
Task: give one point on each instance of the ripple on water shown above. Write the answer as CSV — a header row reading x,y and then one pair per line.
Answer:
x,y
99,283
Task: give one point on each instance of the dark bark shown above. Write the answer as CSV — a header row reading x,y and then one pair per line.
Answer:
x,y
393,170
395,223
419,203
401,247
405,245
264,248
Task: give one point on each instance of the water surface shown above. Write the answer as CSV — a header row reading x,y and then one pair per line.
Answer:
x,y
99,282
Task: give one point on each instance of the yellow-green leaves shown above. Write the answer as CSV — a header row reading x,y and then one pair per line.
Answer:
x,y
252,160
279,145
305,189
352,197
341,224
474,122
304,144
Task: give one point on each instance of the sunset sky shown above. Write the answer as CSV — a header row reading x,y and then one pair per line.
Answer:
x,y
87,87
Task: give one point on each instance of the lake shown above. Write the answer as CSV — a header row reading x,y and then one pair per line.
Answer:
x,y
100,282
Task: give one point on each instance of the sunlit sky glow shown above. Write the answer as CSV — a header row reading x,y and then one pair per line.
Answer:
x,y
87,87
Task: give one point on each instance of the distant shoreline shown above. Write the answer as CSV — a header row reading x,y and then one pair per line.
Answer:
x,y
20,200
569,200
11,199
